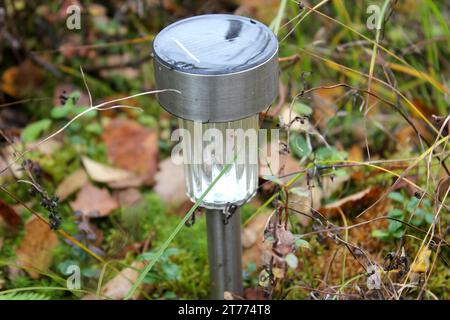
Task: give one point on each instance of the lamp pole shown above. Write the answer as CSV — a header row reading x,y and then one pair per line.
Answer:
x,y
224,253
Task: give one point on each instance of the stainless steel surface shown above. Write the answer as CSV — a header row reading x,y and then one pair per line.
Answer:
x,y
232,73
224,253
215,44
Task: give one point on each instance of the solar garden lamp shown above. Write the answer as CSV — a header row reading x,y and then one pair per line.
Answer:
x,y
225,68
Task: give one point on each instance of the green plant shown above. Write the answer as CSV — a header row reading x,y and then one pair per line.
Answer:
x,y
166,270
420,213
24,296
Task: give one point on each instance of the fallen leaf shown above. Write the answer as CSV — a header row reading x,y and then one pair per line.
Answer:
x,y
71,184
35,250
355,153
443,188
118,287
422,261
10,155
132,147
356,202
128,196
263,10
254,294
9,215
19,80
132,182
94,202
254,230
405,136
47,148
106,174
324,104
252,239
170,184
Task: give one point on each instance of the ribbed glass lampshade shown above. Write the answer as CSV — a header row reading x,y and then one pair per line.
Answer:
x,y
205,157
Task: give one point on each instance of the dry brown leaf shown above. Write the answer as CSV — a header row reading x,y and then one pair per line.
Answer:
x,y
36,248
103,173
9,154
132,147
263,10
94,202
252,239
47,148
356,153
20,80
9,215
118,287
71,184
128,196
254,230
254,294
324,104
133,182
356,202
170,185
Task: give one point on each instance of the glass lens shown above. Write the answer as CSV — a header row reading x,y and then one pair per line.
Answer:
x,y
208,147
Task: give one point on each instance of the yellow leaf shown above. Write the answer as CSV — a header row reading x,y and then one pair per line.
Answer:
x,y
422,262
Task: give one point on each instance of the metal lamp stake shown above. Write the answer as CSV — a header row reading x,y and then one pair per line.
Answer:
x,y
225,68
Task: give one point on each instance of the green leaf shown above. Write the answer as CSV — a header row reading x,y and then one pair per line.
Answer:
x,y
68,108
394,226
148,121
383,235
340,172
33,131
396,213
91,114
420,212
396,196
292,260
399,233
416,221
60,112
426,203
94,128
301,243
429,217
330,153
412,204
299,145
302,109
171,272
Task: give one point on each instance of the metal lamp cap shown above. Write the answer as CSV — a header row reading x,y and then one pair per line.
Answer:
x,y
225,66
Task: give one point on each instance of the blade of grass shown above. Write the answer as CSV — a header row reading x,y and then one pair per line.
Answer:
x,y
276,23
